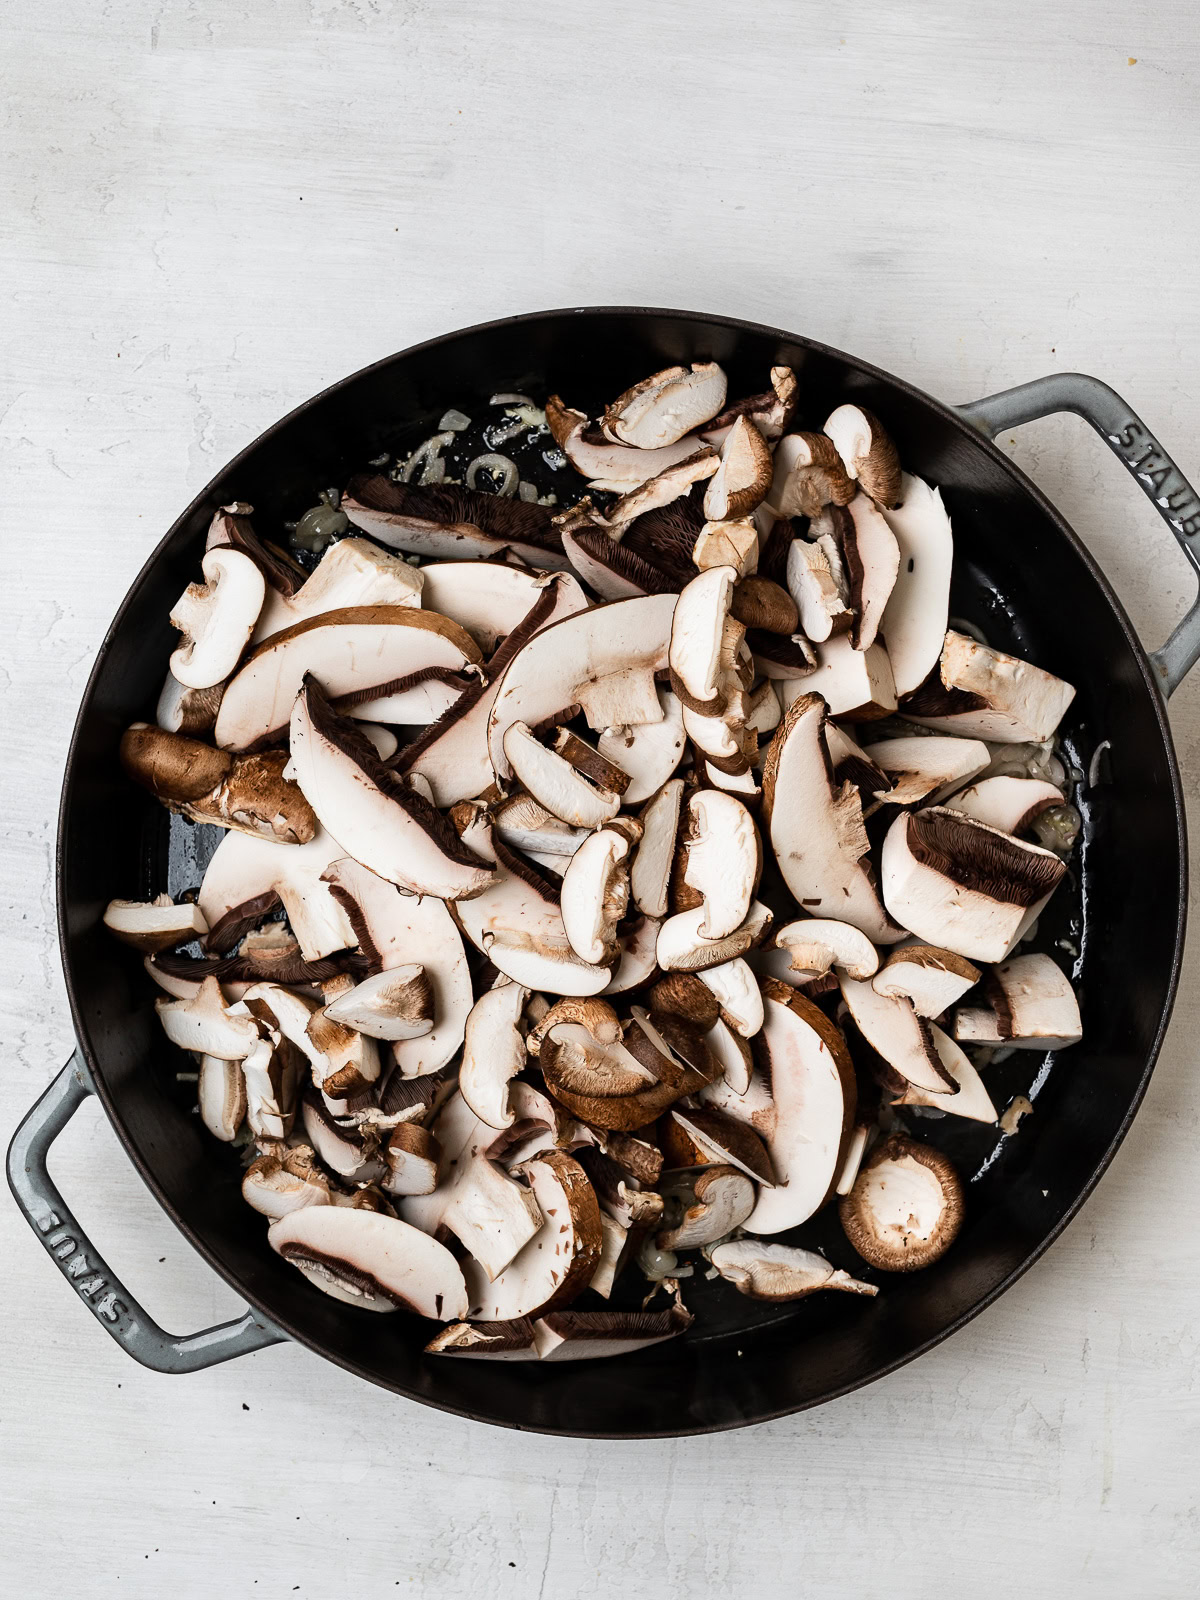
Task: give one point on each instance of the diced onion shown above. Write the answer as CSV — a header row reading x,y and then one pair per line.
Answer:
x,y
502,466
454,421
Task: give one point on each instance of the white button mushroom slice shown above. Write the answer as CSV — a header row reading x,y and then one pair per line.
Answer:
x,y
866,451
394,930
184,710
221,1094
649,752
386,826
744,475
979,691
905,1208
780,1271
150,925
857,684
590,1335
413,1158
555,783
493,1053
522,824
808,475
347,651
396,1004
852,1157
206,1026
349,1152
683,948
665,406
955,882
698,640
926,767
811,1110
490,1213
285,1180
272,1072
664,489
595,892
1010,804
370,1260
614,467
637,957
932,979
740,783
449,522
603,660
216,618
724,860
914,622
816,944
342,1060
732,543
872,558
613,1242
971,1099
818,835
817,582
486,1341
770,412
763,711
352,572
892,1028
385,741
489,600
1029,1005
558,1261
732,1052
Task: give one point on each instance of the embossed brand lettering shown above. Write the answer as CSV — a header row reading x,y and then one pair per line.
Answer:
x,y
1156,470
110,1308
50,1220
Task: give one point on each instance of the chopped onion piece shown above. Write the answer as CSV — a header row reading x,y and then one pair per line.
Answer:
x,y
504,468
454,421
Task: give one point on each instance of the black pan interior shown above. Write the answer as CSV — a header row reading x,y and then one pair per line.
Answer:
x,y
1021,575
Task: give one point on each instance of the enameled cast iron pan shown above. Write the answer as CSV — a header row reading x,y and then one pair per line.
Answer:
x,y
1021,574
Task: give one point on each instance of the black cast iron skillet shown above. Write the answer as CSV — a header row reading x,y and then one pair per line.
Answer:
x,y
1021,574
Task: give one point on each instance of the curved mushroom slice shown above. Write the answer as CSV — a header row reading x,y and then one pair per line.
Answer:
x,y
893,1029
388,827
487,1341
683,948
285,1180
1030,1006
342,1060
637,958
664,489
557,1263
872,558
1010,804
150,925
555,782
732,543
206,1026
272,1071
818,835
905,1208
724,860
624,1085
980,691
816,944
649,751
770,412
915,619
247,793
579,1056
808,475
681,994
184,710
664,407
613,467
590,1335
744,475
349,1152
490,600
930,978
852,1155
221,1095
216,618
925,767
595,892
611,569
250,871
352,572
851,763
811,1112
493,1053
866,451
347,651
449,522
394,930
413,1157
762,605
715,1136
739,783
371,1260
699,645
780,1271
763,711
817,582
732,1053
955,882
857,684
970,1100
752,1104
396,1004
602,660
522,824
231,528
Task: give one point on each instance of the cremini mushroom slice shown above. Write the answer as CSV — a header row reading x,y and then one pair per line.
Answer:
x,y
248,793
342,1060
396,1004
915,618
245,870
671,484
450,522
272,1071
811,1113
207,1026
732,543
856,684
395,930
493,1053
817,582
388,827
616,468
650,875
853,1154
557,1263
351,1060
285,1179
763,711
352,572
184,710
590,1335
346,651
872,559
715,1136
978,691
970,1099
490,600
955,882
648,752
770,412
581,1053
866,452
931,978
808,475
762,605
779,1271
349,1152
371,1260
906,1206
682,994
555,782
612,569
724,860
740,783
150,925
221,1094
522,824
614,1254
624,1084
595,892
698,638
817,833
732,1052
816,944
637,956
216,618
665,406
683,948
1012,805
1030,1005
413,1157
893,1029
743,477
926,767
486,1341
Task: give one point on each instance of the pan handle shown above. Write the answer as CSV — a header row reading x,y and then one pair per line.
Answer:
x,y
1131,441
81,1264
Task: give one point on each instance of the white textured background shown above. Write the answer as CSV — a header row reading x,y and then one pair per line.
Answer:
x,y
209,211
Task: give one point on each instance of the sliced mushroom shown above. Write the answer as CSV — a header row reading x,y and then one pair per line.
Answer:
x,y
770,412
732,543
925,767
486,1341
866,452
955,882
712,1135
613,467
150,925
590,1335
872,559
522,824
284,1180
906,1207
637,956
698,638
206,1026
451,522
245,870
914,621
779,1271
732,1053
351,1060
1012,805
493,1053
352,572
650,875
581,1053
342,1060
622,1084
1030,1006
763,711
490,600
970,1099
184,710
818,835
665,406
738,995
595,892
396,1004
718,1200
221,1094
892,1028
762,605
979,691
413,1158
808,475
350,1152
216,618
817,582
852,1155
555,782
649,751
857,684
744,475
370,1260
815,945
614,1253
724,860
272,1071
930,978
664,489
683,948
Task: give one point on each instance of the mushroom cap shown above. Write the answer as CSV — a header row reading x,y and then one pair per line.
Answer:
x,y
905,1208
374,1260
892,1028
683,948
866,451
737,991
616,467
744,475
206,1026
451,522
970,1098
872,559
